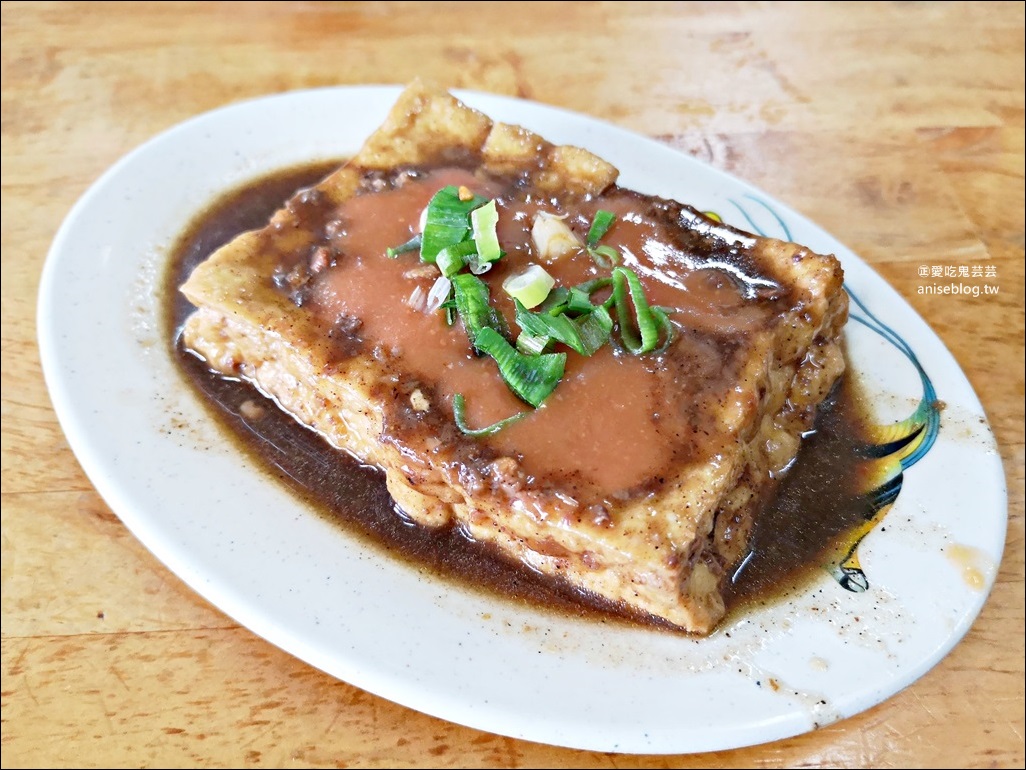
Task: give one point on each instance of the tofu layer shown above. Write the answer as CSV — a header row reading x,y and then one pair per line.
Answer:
x,y
640,478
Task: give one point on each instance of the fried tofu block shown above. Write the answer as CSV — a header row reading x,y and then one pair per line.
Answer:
x,y
639,479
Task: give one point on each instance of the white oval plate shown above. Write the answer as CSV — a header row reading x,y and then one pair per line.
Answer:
x,y
245,544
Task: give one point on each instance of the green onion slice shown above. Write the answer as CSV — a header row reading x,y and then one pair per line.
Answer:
x,y
459,412
595,329
604,256
555,303
666,330
447,221
530,345
411,245
579,297
556,327
531,378
472,303
646,338
449,306
576,300
483,221
451,259
592,286
600,226
475,263
530,287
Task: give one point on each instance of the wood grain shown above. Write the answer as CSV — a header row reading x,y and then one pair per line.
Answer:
x,y
899,127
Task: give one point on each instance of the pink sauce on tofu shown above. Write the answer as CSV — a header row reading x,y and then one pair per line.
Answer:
x,y
788,543
616,419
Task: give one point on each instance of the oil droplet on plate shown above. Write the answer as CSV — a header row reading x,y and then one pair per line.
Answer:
x,y
971,562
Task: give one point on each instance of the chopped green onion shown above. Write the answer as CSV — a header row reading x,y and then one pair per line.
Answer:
x,y
555,303
604,256
447,221
530,287
579,298
531,345
595,329
661,316
449,306
558,327
576,300
567,316
477,266
483,220
451,259
411,245
459,414
592,286
600,226
472,303
625,280
532,378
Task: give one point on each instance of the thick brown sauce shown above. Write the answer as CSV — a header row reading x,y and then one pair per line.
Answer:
x,y
817,501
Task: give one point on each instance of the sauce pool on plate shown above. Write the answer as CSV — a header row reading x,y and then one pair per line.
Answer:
x,y
817,502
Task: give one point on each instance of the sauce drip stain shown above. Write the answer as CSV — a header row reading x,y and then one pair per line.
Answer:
x,y
816,502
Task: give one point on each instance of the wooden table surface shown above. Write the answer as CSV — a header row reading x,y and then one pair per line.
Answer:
x,y
896,126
